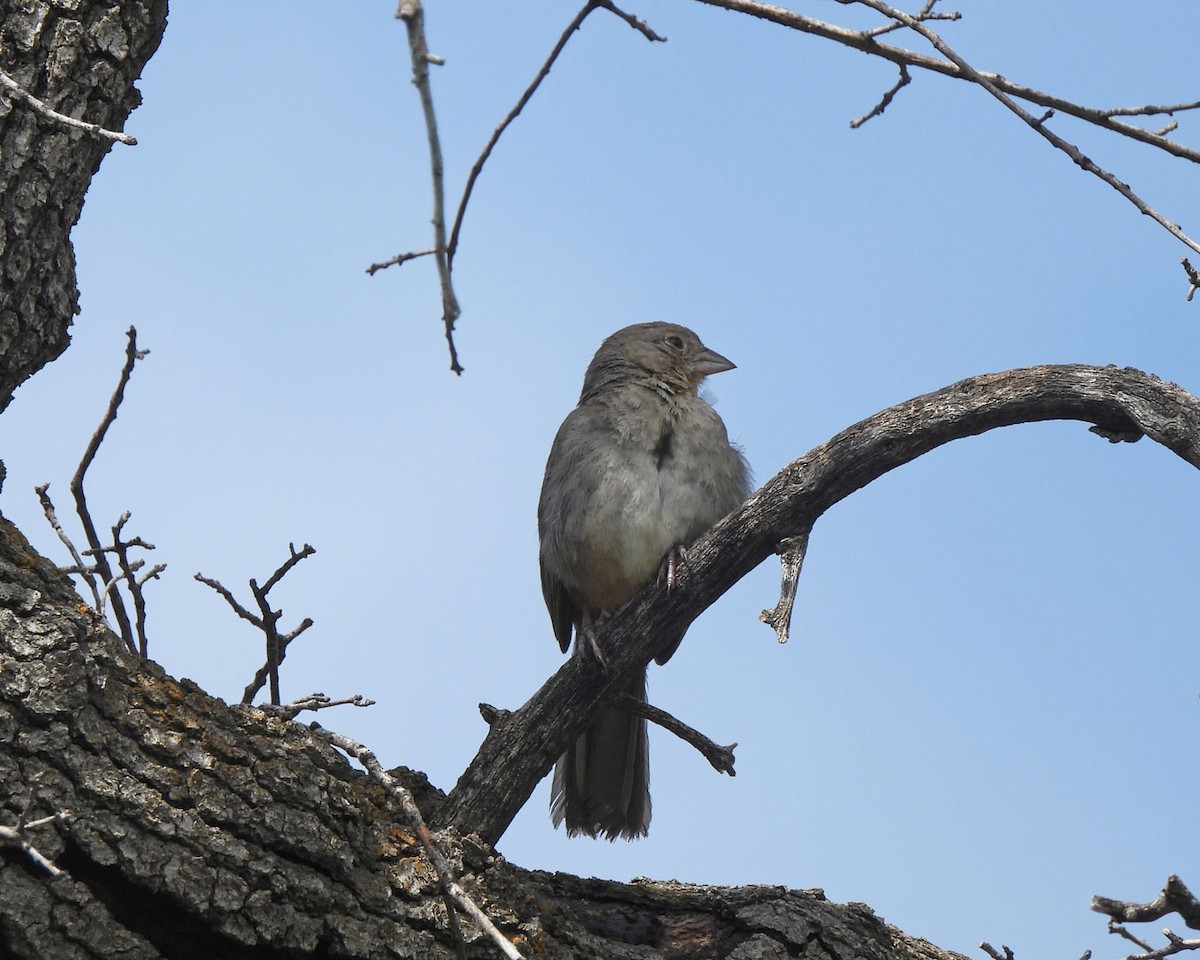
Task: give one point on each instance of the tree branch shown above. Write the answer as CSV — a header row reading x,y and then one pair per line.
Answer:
x,y
414,21
40,106
521,747
104,571
1174,898
1002,89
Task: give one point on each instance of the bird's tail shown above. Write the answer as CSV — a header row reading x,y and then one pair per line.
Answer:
x,y
602,783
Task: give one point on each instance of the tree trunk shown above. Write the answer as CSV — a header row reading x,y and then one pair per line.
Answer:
x,y
79,59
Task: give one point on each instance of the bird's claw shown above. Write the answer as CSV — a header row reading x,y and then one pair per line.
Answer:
x,y
674,559
586,639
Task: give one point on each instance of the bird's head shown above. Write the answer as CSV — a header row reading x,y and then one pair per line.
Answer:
x,y
664,355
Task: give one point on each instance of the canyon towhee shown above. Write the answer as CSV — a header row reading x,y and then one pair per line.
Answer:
x,y
638,470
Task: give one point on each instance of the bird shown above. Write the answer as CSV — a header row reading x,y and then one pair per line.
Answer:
x,y
638,470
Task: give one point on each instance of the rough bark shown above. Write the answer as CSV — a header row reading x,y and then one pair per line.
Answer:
x,y
80,58
203,830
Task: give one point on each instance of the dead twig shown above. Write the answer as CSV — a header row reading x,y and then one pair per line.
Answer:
x,y
572,27
17,835
88,573
1072,151
267,621
40,106
721,757
444,249
99,575
886,100
414,21
412,814
317,701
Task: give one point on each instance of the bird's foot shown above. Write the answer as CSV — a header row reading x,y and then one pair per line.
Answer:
x,y
675,558
586,638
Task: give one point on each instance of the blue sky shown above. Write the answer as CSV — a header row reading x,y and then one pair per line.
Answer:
x,y
986,712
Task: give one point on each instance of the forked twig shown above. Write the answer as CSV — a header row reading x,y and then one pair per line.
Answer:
x,y
267,621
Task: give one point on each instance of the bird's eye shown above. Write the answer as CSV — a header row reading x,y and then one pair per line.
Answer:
x,y
674,341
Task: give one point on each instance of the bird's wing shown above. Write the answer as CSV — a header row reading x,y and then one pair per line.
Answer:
x,y
563,612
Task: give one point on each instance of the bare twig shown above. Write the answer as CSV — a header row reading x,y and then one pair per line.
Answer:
x,y
40,106
886,100
572,27
1119,930
721,757
104,571
1192,275
791,556
1080,160
267,621
926,13
952,65
994,953
16,836
1175,944
121,549
86,572
1151,111
414,21
444,249
413,815
317,701
399,259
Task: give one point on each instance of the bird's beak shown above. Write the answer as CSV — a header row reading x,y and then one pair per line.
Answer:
x,y
708,362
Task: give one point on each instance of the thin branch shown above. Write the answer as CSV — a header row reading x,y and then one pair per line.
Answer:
x,y
414,21
16,835
572,27
925,14
294,557
1119,930
720,757
121,549
317,701
267,622
86,572
861,41
40,106
1080,160
886,101
132,355
1151,111
399,259
1175,944
230,599
412,814
994,953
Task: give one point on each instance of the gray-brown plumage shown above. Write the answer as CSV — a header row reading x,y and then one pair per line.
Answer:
x,y
641,467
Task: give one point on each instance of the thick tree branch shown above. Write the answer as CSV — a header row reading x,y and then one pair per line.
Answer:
x,y
521,747
201,829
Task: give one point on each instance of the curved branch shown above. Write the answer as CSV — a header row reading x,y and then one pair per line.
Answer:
x,y
521,747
